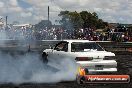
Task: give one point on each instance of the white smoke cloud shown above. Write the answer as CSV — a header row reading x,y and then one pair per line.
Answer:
x,y
3,35
29,68
1,4
24,68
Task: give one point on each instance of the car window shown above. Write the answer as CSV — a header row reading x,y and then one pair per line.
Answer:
x,y
84,47
63,46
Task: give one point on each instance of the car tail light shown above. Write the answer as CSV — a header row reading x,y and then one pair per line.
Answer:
x,y
84,58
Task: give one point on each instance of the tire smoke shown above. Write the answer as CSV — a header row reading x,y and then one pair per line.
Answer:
x,y
28,68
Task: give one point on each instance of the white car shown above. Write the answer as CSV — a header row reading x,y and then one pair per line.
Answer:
x,y
86,53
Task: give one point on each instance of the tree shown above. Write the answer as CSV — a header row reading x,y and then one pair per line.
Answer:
x,y
74,20
43,24
77,22
101,24
65,20
71,21
84,16
90,19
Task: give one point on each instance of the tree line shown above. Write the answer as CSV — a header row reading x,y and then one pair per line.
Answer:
x,y
84,19
75,20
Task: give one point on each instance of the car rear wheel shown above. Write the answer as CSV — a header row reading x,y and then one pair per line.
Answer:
x,y
80,80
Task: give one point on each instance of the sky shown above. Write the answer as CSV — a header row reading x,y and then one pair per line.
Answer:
x,y
33,11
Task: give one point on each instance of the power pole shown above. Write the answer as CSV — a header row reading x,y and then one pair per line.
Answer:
x,y
48,17
6,20
48,13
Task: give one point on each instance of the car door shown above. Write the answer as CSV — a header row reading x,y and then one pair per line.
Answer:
x,y
58,53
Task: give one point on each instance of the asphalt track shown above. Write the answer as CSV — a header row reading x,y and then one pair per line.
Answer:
x,y
125,66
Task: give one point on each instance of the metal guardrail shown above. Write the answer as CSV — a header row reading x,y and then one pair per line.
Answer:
x,y
117,46
40,45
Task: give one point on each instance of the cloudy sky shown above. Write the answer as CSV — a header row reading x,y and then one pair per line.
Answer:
x,y
32,11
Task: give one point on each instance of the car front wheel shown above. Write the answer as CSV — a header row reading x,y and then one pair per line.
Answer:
x,y
44,58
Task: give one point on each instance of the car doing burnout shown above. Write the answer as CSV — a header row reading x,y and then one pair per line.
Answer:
x,y
86,53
